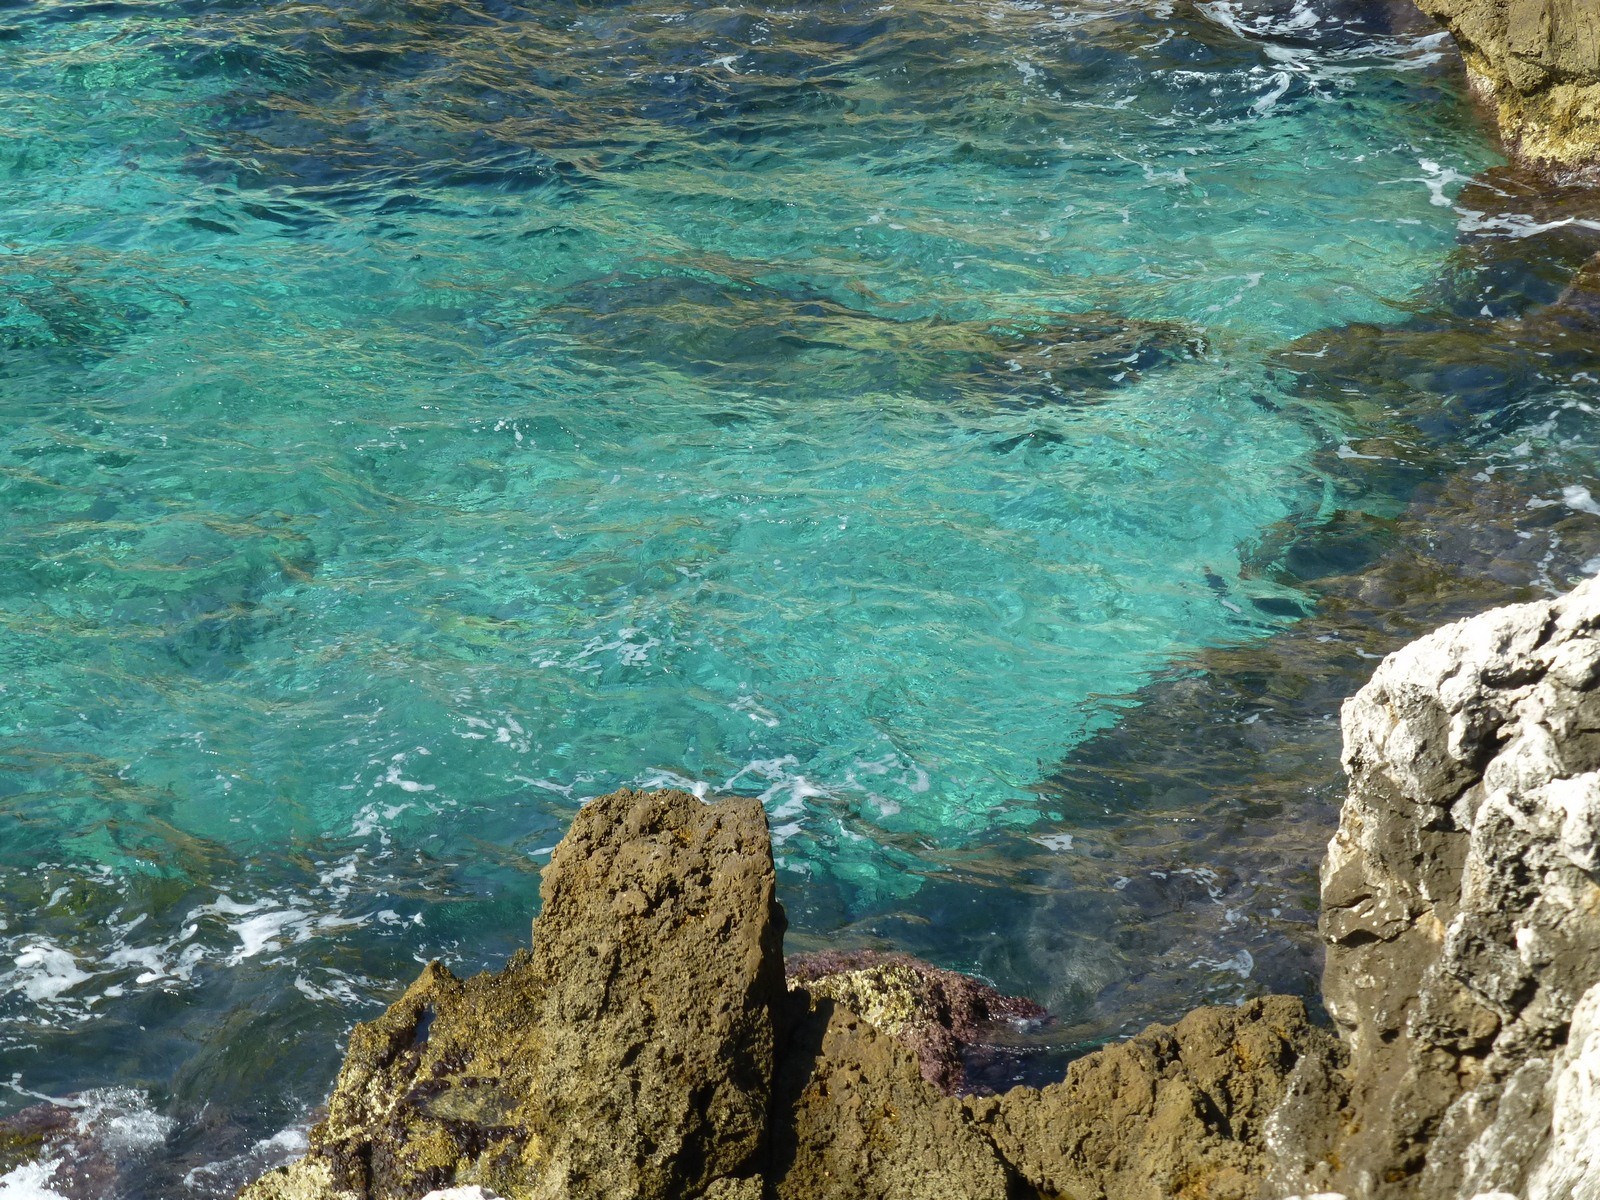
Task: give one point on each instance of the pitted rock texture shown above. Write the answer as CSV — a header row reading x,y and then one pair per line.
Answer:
x,y
1538,63
1461,907
856,1119
1177,1111
660,944
647,1048
937,1014
630,1055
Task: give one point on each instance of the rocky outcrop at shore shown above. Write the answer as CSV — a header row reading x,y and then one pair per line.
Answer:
x,y
1537,63
649,1045
1461,907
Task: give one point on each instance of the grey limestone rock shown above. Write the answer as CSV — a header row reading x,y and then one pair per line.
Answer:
x,y
1461,908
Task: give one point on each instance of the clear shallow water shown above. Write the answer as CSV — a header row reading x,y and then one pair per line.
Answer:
x,y
421,417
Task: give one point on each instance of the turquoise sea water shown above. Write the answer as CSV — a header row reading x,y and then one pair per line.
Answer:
x,y
419,417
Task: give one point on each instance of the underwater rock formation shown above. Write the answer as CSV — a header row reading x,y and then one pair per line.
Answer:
x,y
757,335
1538,63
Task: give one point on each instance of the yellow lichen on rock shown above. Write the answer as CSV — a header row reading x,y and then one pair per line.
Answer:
x,y
883,996
1537,64
306,1179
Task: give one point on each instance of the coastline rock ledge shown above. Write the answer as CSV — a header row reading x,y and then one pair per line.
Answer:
x,y
1461,911
1537,63
649,1047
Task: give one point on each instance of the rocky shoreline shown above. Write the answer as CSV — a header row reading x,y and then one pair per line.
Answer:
x,y
1536,65
650,1045
1458,901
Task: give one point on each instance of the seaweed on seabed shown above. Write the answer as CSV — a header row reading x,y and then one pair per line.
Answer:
x,y
75,308
714,318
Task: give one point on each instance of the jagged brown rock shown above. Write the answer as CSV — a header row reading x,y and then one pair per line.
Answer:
x,y
1177,1111
647,1048
1537,62
630,1055
855,1118
660,942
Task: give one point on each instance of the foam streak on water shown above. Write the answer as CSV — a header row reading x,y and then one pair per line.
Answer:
x,y
422,416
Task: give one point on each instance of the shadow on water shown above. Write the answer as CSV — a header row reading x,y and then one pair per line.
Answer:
x,y
1182,868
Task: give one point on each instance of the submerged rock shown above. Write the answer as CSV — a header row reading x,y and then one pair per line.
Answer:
x,y
1538,63
756,335
79,1147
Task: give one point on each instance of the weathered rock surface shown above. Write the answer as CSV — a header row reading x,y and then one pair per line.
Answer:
x,y
854,1118
1177,1111
1538,63
1461,906
660,945
630,1055
937,1014
648,1047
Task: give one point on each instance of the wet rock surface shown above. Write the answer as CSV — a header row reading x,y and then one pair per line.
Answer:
x,y
1537,62
80,1145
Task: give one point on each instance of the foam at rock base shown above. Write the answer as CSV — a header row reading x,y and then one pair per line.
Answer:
x,y
31,1181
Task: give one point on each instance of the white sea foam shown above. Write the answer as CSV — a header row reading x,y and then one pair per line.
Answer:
x,y
789,793
1580,499
1242,963
43,971
31,1181
265,926
121,1121
227,1176
1515,225
107,1123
